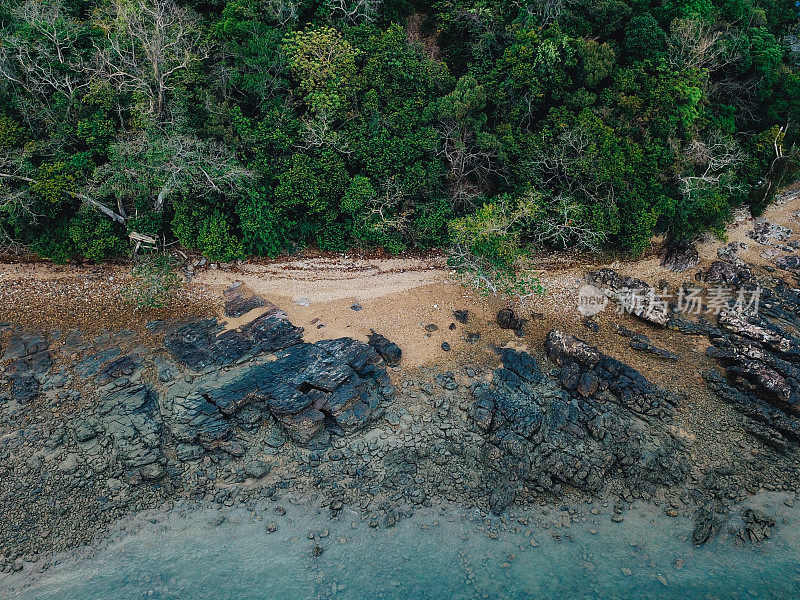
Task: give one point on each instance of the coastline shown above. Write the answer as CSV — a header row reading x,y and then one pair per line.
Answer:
x,y
290,547
505,421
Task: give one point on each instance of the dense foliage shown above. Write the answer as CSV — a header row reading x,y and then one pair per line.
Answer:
x,y
259,126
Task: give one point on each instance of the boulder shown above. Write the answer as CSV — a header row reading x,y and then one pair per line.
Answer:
x,y
388,351
508,319
680,257
634,296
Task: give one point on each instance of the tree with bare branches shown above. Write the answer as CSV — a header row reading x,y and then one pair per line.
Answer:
x,y
468,152
43,60
148,44
355,11
158,167
710,163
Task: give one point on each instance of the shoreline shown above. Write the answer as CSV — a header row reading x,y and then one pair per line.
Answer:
x,y
101,421
535,529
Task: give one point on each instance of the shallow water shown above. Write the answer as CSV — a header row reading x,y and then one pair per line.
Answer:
x,y
435,554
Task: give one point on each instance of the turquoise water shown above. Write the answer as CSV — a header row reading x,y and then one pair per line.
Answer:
x,y
433,555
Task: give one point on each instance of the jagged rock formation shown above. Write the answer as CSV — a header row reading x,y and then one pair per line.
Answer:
x,y
634,295
596,421
726,273
205,343
761,357
304,387
789,263
388,351
28,360
641,342
215,388
238,305
680,257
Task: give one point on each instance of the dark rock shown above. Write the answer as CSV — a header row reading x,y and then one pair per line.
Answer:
x,y
765,232
753,407
445,346
462,316
91,365
723,272
757,525
239,306
789,263
431,327
507,319
633,295
256,469
588,384
388,351
30,360
650,349
304,426
680,257
562,347
583,430
708,520
341,379
129,416
501,498
124,366
203,343
628,385
636,337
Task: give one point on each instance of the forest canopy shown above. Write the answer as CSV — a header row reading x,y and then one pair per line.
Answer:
x,y
255,127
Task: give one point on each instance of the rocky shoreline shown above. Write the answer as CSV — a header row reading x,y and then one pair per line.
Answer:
x,y
96,428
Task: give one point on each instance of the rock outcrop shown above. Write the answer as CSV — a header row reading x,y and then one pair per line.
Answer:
x,y
304,387
27,359
680,257
204,343
633,295
208,390
593,422
725,273
761,357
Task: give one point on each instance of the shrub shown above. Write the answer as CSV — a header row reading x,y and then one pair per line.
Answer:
x,y
487,252
154,281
